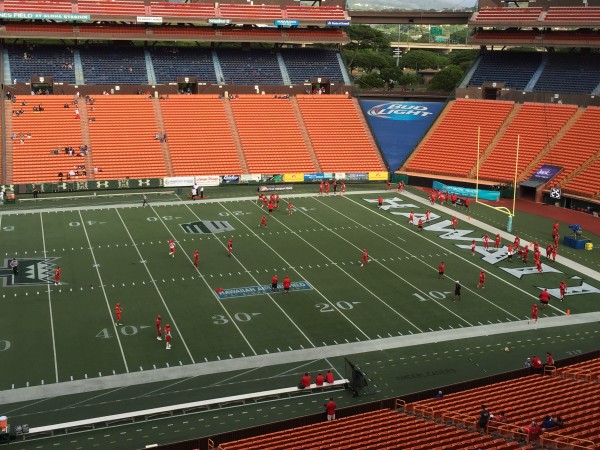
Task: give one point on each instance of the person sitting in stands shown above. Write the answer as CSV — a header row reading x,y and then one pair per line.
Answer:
x,y
501,417
533,431
439,394
306,380
319,379
549,422
329,377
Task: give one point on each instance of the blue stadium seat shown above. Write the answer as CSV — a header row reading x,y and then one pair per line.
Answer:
x,y
110,65
570,72
302,64
41,61
250,67
515,69
170,63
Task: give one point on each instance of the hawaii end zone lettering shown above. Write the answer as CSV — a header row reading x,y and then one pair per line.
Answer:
x,y
32,271
207,227
445,231
250,291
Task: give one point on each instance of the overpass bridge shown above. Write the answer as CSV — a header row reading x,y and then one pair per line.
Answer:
x,y
439,46
411,17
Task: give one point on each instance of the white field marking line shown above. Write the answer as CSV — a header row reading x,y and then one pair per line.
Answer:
x,y
347,274
254,278
235,376
450,251
334,368
298,272
231,319
11,411
104,293
295,368
50,304
418,259
386,268
153,281
112,391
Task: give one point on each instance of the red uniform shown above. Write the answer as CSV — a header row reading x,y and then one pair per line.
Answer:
x,y
274,283
260,198
272,198
286,284
467,202
171,247
277,201
289,208
525,254
481,279
57,275
365,257
306,380
196,257
321,187
329,377
486,242
497,241
454,223
265,201
263,222
420,224
427,213
118,311
538,264
536,247
517,242
556,239
229,247
388,185
271,206
380,201
343,187
548,251
510,252
544,298
327,187
536,256
168,336
563,290
554,252
411,217
473,245
432,198
158,328
319,380
441,269
534,312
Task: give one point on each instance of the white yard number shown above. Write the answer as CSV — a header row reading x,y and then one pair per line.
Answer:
x,y
233,213
326,307
127,330
87,222
4,345
154,218
220,319
437,295
8,228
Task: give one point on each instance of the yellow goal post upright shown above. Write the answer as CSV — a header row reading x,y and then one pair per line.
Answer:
x,y
501,209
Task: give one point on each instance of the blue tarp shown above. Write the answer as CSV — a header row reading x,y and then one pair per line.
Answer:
x,y
467,192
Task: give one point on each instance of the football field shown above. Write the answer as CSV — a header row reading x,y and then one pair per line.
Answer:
x,y
225,309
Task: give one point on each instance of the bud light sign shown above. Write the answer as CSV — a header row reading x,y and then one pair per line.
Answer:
x,y
400,111
399,126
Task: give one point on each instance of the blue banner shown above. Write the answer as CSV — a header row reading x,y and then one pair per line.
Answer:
x,y
545,173
338,23
250,291
318,176
357,176
286,23
467,192
399,126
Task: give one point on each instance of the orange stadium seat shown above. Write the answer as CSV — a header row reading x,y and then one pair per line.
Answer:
x,y
233,11
585,182
54,127
316,12
501,14
44,6
123,138
535,124
168,9
114,7
199,136
270,135
451,149
579,143
339,138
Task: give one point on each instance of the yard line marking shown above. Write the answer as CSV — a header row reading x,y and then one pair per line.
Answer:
x,y
162,299
350,276
252,276
50,304
214,294
454,254
294,368
104,293
235,376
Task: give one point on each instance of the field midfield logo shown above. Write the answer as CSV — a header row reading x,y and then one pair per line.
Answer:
x,y
207,227
32,271
399,111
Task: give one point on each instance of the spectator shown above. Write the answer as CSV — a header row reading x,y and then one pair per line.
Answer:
x,y
60,176
330,409
439,394
558,422
306,380
319,379
501,417
533,431
329,377
548,423
549,360
537,364
528,363
484,417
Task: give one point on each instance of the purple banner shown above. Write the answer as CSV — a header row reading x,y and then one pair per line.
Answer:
x,y
545,173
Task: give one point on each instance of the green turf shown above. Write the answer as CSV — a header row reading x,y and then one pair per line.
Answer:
x,y
115,255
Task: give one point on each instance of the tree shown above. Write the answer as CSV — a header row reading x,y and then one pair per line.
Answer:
x,y
459,36
370,81
392,73
368,60
422,59
446,79
459,57
366,37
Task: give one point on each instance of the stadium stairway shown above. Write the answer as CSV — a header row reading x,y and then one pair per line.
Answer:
x,y
305,136
536,76
563,131
235,135
149,67
160,122
490,148
284,73
218,69
6,67
79,78
85,136
7,171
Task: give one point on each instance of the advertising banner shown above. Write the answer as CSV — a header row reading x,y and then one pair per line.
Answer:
x,y
286,23
277,178
467,192
338,23
178,181
44,16
546,173
293,177
149,19
358,176
207,180
218,21
230,179
275,187
250,178
399,126
376,176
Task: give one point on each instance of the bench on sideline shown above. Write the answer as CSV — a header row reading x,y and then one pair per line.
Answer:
x,y
71,197
165,411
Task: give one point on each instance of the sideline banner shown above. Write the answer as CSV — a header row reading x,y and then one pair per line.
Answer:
x,y
249,178
275,187
467,192
178,181
377,176
362,176
399,126
293,177
230,179
207,180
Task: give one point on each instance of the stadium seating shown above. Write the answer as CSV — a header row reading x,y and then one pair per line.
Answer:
x,y
535,124
114,7
565,72
585,183
317,13
339,137
38,28
184,31
451,149
102,65
579,143
561,15
199,136
515,69
587,370
170,63
41,61
44,6
270,135
501,14
112,29
304,64
233,11
123,138
170,9
54,127
251,67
